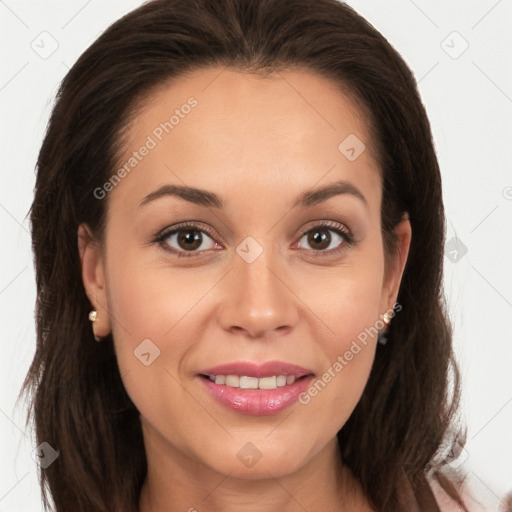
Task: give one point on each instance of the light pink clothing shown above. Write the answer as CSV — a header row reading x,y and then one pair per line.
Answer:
x,y
474,502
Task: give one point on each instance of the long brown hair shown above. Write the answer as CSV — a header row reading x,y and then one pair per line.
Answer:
x,y
394,440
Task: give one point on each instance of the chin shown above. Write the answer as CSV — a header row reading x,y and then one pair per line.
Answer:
x,y
259,459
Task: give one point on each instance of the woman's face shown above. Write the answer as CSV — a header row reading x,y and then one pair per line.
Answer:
x,y
270,271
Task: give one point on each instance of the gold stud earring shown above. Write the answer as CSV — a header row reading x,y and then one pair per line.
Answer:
x,y
382,337
93,316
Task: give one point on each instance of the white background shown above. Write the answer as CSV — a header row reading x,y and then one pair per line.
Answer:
x,y
468,97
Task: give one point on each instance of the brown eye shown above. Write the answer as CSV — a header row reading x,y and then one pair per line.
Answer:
x,y
186,240
319,239
326,239
189,240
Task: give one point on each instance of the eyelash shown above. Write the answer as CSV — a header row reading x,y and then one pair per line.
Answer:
x,y
348,238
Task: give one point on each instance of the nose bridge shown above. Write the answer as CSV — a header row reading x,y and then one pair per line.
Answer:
x,y
258,300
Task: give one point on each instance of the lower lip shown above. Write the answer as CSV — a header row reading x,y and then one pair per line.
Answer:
x,y
257,402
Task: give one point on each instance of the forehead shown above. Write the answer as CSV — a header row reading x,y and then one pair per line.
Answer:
x,y
219,128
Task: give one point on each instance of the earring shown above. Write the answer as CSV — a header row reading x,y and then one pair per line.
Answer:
x,y
382,338
93,316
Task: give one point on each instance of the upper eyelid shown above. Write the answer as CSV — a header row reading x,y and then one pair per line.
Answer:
x,y
186,225
312,224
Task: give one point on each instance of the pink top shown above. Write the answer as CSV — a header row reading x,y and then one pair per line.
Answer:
x,y
473,503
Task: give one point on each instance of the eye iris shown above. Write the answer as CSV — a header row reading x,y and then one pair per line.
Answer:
x,y
193,237
321,237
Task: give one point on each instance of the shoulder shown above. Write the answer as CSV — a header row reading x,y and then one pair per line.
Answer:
x,y
447,504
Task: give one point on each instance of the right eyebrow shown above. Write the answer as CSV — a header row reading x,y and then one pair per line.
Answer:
x,y
190,194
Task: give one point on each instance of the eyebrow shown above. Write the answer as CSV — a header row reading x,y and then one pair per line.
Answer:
x,y
205,198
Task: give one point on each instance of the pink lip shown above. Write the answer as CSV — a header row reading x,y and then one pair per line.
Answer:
x,y
254,370
257,402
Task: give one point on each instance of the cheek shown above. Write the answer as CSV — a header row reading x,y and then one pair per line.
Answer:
x,y
346,300
349,355
150,299
156,325
156,317
349,309
151,304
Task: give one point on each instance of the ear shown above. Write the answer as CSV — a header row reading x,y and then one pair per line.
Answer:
x,y
395,270
93,277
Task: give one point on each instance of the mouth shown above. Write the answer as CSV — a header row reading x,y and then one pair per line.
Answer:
x,y
253,389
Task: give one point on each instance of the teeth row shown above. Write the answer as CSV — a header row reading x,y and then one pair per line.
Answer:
x,y
236,381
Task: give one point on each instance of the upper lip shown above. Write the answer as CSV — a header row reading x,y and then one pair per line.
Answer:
x,y
248,369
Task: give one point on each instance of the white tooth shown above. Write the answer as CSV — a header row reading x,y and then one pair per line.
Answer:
x,y
281,380
246,382
249,382
233,381
268,383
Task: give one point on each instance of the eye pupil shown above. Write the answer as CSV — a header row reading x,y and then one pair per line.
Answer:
x,y
321,237
190,237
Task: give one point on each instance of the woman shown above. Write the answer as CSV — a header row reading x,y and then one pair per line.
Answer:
x,y
240,201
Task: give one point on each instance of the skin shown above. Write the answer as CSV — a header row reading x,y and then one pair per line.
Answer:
x,y
257,143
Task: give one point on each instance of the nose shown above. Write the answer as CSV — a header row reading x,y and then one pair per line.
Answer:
x,y
258,300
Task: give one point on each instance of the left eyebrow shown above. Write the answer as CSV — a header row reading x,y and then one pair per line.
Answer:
x,y
205,198
319,195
